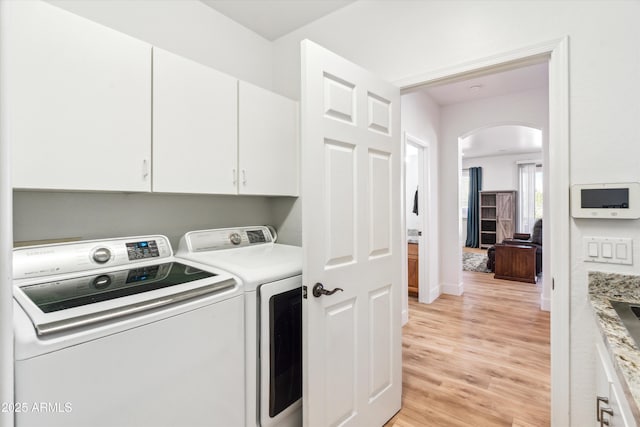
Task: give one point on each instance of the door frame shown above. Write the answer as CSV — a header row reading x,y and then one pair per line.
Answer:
x,y
428,289
6,240
557,53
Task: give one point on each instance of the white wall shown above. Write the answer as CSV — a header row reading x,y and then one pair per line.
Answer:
x,y
398,39
421,119
55,215
411,176
286,216
500,172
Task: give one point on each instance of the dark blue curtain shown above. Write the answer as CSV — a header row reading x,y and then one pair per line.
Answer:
x,y
473,212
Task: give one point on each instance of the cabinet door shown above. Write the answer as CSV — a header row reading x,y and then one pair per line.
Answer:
x,y
413,269
194,127
79,97
268,142
608,386
505,211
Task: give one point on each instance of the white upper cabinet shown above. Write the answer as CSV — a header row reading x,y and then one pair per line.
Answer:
x,y
78,99
194,127
268,143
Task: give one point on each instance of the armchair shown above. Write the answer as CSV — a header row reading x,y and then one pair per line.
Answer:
x,y
511,258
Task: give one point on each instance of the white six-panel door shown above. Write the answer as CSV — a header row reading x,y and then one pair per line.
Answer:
x,y
350,122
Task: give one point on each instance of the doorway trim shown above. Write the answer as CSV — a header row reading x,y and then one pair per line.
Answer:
x,y
557,53
428,290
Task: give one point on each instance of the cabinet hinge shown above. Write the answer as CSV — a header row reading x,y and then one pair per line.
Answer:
x,y
304,292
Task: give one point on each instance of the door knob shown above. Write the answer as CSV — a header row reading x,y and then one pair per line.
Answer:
x,y
319,290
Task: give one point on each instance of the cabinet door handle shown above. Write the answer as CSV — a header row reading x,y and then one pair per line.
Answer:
x,y
600,399
603,411
235,179
244,177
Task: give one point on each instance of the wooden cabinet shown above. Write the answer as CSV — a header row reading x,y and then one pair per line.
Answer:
x,y
267,142
413,268
610,400
497,216
79,115
194,127
515,262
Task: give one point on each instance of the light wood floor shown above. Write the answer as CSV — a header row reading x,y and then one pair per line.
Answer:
x,y
474,250
482,359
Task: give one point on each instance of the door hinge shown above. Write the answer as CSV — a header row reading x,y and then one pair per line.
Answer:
x,y
304,292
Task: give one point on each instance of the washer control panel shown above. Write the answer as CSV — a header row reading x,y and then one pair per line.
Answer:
x,y
225,238
45,260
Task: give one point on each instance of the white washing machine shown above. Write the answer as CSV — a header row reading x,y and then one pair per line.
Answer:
x,y
120,333
272,277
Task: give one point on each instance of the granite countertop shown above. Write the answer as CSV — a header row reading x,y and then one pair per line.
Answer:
x,y
620,345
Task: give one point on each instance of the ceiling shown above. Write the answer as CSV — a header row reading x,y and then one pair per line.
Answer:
x,y
274,18
497,84
499,140
502,140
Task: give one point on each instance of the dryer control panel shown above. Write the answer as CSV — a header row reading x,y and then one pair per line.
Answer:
x,y
225,238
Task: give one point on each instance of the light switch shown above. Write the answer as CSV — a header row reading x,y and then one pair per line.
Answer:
x,y
607,250
621,251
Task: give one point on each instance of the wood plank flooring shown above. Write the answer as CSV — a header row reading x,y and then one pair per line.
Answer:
x,y
482,359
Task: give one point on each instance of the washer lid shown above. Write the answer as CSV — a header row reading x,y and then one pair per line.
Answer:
x,y
64,303
84,290
255,265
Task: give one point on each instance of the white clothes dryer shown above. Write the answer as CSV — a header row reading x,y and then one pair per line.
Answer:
x,y
118,332
272,277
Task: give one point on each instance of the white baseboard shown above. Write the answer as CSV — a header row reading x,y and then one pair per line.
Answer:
x,y
545,303
434,294
452,288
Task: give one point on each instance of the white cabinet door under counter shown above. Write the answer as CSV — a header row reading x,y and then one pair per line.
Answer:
x,y
617,356
612,408
79,115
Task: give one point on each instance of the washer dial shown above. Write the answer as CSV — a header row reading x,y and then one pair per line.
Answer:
x,y
235,238
102,255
